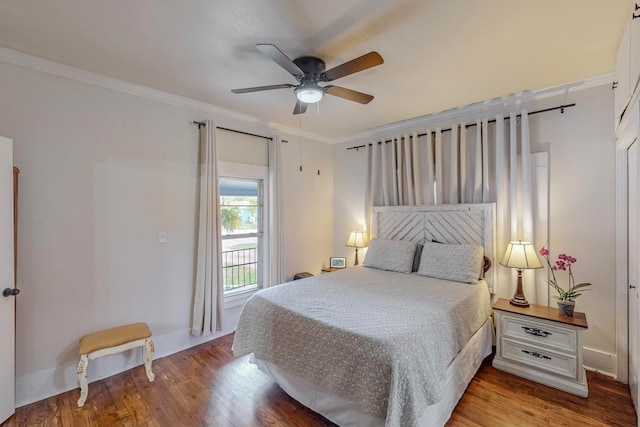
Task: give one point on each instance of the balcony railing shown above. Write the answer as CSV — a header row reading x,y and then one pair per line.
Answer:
x,y
239,269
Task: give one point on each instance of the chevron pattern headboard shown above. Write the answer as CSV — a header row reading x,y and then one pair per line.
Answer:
x,y
453,224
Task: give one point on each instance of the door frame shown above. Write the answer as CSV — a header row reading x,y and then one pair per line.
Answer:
x,y
628,133
7,383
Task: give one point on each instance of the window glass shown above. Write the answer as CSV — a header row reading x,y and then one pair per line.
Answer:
x,y
241,231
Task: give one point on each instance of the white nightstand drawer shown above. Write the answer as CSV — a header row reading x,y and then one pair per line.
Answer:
x,y
548,360
539,332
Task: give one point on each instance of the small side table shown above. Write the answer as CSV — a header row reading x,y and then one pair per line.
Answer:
x,y
539,344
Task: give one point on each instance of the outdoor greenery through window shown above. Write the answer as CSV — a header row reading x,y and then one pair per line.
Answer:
x,y
241,231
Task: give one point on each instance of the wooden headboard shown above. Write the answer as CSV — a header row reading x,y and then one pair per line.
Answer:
x,y
453,224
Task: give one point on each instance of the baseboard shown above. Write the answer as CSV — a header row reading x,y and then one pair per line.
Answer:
x,y
600,361
50,382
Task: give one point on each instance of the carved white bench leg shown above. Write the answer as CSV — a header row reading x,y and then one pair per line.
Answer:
x,y
148,358
82,377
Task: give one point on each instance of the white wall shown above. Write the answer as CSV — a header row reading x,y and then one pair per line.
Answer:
x,y
308,204
102,173
581,145
349,177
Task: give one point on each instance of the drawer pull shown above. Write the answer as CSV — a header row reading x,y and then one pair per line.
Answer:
x,y
535,331
536,354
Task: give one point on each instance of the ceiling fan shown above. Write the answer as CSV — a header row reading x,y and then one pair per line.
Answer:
x,y
309,71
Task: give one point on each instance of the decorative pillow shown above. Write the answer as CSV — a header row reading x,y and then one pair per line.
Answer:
x,y
416,258
392,255
416,261
461,263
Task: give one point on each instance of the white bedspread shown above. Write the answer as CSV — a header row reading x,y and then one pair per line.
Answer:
x,y
383,339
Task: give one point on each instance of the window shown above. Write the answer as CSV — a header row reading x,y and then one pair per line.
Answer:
x,y
241,219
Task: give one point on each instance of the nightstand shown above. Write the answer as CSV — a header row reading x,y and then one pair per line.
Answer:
x,y
329,269
539,344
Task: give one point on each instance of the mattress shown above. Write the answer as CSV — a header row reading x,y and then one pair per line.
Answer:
x,y
381,338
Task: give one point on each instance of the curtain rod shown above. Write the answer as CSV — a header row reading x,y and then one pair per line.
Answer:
x,y
559,107
200,124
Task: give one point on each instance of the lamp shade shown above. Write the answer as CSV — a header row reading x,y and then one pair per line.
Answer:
x,y
521,255
357,239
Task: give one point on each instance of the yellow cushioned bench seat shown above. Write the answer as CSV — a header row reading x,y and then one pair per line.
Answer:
x,y
112,341
113,337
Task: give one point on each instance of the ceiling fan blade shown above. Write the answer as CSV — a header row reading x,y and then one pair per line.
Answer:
x,y
280,58
300,107
259,88
369,60
351,95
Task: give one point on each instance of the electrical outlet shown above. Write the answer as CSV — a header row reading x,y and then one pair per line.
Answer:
x,y
163,237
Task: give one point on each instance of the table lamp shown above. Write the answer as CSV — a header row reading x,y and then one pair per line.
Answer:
x,y
357,239
520,255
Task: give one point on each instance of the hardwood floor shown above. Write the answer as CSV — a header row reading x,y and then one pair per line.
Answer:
x,y
207,386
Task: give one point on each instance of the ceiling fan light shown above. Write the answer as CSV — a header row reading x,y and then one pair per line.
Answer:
x,y
309,94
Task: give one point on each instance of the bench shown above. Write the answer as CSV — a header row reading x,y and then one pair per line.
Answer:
x,y
113,341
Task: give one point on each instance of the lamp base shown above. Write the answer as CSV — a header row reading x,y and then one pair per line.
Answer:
x,y
520,302
519,298
356,263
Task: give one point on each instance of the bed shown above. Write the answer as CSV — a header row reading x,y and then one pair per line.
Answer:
x,y
370,346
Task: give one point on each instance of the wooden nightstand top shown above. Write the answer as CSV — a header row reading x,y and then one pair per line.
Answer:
x,y
542,312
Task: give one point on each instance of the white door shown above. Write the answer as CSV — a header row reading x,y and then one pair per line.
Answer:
x,y
634,329
7,304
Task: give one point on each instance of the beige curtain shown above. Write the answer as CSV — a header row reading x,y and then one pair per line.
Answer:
x,y
464,170
208,292
276,219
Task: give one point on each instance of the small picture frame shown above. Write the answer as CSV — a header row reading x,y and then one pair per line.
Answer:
x,y
337,262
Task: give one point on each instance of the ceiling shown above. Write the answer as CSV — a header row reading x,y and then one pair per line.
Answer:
x,y
439,54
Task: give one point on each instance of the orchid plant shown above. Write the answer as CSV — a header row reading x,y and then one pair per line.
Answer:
x,y
564,263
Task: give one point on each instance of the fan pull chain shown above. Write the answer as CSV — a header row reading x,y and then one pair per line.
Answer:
x,y
300,141
315,144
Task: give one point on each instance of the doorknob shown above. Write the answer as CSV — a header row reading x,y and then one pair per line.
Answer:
x,y
10,292
632,287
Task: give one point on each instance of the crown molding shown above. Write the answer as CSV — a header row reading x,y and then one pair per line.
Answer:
x,y
88,77
280,129
50,67
95,79
518,101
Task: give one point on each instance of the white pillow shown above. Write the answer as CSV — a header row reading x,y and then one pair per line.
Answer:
x,y
461,263
392,255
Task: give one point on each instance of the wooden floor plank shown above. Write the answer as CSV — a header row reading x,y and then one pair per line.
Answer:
x,y
207,386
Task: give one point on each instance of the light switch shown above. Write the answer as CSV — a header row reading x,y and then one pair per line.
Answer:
x,y
163,237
